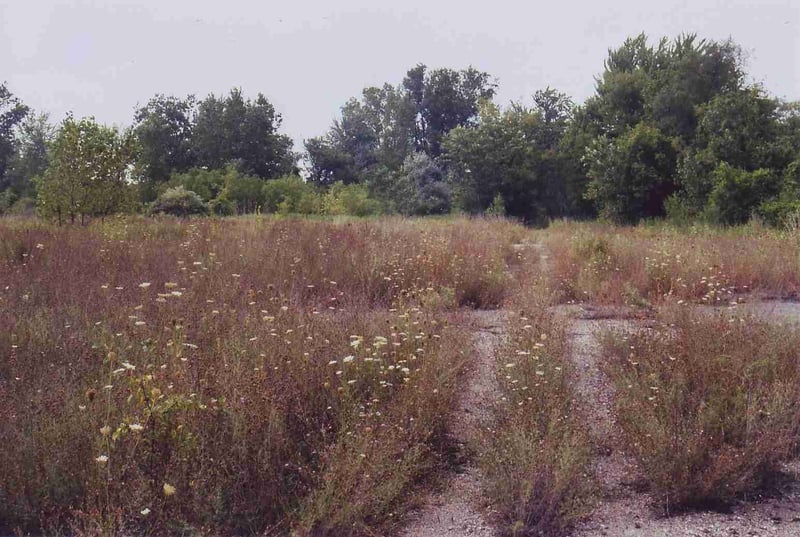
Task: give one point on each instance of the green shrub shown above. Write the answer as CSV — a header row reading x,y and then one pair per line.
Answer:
x,y
353,200
738,193
290,195
222,207
178,201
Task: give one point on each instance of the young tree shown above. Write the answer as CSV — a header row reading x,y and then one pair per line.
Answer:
x,y
88,173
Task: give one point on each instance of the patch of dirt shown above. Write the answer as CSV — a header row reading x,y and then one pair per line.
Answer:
x,y
459,509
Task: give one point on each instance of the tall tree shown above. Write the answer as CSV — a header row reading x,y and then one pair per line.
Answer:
x,y
12,112
33,138
243,132
164,129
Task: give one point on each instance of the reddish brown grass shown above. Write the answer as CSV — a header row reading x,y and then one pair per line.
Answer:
x,y
168,376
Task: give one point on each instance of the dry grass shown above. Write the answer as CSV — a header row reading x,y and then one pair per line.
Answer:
x,y
657,263
709,404
535,457
234,376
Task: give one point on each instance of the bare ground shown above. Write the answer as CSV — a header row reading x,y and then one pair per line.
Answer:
x,y
459,509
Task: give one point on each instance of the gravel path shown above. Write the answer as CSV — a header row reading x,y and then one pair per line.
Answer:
x,y
458,509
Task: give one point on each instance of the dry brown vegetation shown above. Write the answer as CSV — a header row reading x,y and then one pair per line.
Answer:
x,y
232,376
535,457
651,265
292,376
708,403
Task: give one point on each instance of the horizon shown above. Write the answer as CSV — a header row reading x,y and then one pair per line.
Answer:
x,y
90,59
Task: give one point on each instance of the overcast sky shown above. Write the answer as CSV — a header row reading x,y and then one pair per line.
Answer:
x,y
308,57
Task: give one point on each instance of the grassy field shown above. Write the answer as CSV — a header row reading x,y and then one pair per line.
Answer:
x,y
292,376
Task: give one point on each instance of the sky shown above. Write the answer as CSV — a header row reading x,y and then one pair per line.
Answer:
x,y
102,58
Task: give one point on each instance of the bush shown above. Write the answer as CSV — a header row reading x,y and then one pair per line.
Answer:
x,y
353,200
222,207
178,201
738,193
290,195
207,184
709,405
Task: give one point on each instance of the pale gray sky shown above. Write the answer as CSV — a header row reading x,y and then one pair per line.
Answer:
x,y
309,56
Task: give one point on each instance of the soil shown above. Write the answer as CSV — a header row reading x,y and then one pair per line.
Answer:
x,y
458,508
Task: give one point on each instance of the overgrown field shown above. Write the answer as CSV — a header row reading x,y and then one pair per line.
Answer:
x,y
299,377
232,376
654,264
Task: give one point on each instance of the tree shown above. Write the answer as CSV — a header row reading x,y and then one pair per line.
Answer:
x,y
164,128
513,154
420,188
377,132
232,130
444,99
33,138
329,162
12,112
737,193
742,128
632,175
88,173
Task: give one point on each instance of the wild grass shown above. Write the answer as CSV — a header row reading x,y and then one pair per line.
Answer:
x,y
232,376
655,264
535,457
709,404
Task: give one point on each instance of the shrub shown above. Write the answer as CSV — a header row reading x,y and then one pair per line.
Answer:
x,y
709,405
178,201
290,195
737,193
353,200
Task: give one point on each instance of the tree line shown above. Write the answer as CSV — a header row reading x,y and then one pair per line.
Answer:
x,y
673,129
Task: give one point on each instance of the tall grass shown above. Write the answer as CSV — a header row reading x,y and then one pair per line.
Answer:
x,y
232,376
535,458
708,404
653,264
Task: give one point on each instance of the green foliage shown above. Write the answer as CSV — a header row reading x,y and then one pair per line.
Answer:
x,y
178,201
737,193
353,200
88,173
244,132
498,206
208,184
418,188
12,112
632,175
379,131
291,195
164,130
513,153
